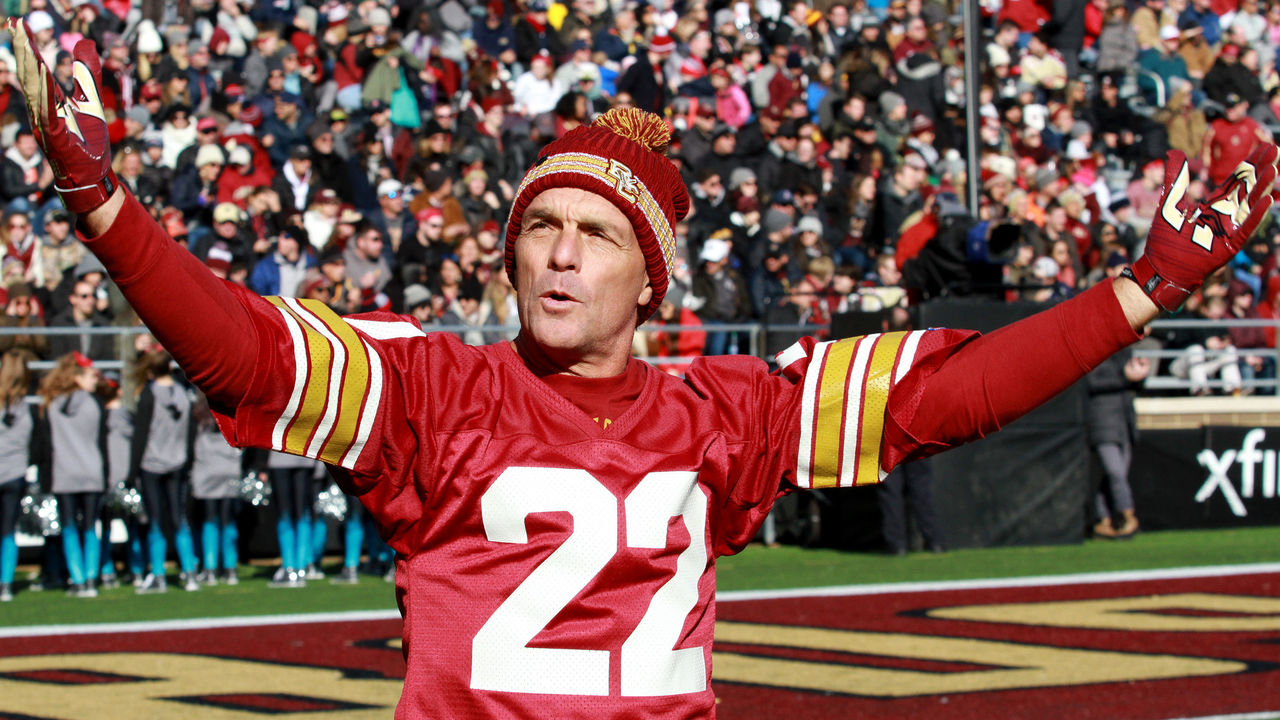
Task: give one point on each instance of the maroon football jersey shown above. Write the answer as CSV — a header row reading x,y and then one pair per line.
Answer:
x,y
549,566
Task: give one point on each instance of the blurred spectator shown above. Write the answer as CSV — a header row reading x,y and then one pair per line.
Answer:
x,y
295,183
25,178
1229,76
21,309
83,312
1230,138
1208,352
366,265
468,309
722,293
195,188
57,251
1118,44
283,271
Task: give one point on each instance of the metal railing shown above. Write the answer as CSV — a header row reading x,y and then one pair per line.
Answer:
x,y
1157,381
757,341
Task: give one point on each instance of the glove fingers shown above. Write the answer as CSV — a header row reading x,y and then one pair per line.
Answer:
x,y
1264,180
1176,179
86,52
36,80
1257,212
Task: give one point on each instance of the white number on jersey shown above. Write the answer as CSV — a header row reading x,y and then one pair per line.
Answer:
x,y
501,659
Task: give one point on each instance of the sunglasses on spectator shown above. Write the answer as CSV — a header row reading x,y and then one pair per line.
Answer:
x,y
82,295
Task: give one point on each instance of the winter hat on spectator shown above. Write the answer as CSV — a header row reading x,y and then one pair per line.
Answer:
x,y
89,264
809,223
1169,32
219,40
997,55
240,155
416,295
148,38
218,257
208,154
662,45
693,67
39,20
723,16
379,16
921,124
151,90
251,116
774,221
890,101
139,114
740,176
619,157
1077,150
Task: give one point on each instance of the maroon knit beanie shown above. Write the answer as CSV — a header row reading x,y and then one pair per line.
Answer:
x,y
621,157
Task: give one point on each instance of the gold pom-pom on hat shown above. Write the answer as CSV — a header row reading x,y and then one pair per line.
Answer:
x,y
644,128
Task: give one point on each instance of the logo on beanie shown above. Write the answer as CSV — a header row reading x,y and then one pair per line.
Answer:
x,y
623,181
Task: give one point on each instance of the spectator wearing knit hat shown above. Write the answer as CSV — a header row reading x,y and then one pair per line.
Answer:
x,y
195,188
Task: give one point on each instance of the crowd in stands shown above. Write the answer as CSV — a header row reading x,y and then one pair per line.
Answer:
x,y
364,154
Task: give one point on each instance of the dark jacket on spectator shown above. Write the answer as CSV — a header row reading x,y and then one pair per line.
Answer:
x,y
99,347
647,92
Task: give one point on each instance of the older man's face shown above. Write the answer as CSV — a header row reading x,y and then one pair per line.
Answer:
x,y
580,277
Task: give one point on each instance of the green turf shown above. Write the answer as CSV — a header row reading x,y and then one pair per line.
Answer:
x,y
785,567
756,568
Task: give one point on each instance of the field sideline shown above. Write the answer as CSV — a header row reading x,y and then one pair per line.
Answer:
x,y
756,569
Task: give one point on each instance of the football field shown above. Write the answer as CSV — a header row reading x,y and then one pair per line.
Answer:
x,y
1064,632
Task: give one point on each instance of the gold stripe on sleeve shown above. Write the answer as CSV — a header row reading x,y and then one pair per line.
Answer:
x,y
875,398
314,397
830,415
355,383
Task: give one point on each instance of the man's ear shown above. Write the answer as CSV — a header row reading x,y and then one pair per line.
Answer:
x,y
646,295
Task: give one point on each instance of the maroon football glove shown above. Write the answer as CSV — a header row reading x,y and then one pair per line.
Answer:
x,y
1189,240
72,131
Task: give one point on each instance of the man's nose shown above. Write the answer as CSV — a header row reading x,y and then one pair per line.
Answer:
x,y
566,249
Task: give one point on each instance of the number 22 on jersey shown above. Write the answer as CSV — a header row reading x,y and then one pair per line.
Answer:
x,y
501,659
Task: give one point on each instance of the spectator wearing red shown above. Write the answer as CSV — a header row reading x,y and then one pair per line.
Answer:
x,y
1230,138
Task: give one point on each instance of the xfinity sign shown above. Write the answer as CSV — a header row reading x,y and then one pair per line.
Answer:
x,y
1239,474
1220,476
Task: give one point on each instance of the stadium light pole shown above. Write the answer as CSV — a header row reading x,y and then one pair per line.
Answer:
x,y
972,81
